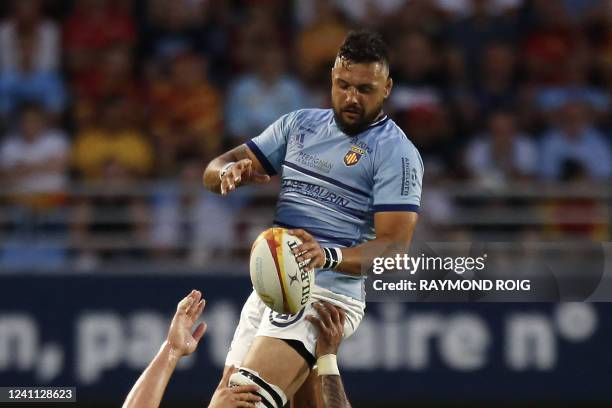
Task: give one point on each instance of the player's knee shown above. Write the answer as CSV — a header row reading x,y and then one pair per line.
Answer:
x,y
271,395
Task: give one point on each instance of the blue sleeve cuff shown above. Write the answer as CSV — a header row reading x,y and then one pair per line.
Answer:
x,y
397,207
261,157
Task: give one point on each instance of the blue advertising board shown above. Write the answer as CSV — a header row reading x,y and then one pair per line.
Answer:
x,y
97,333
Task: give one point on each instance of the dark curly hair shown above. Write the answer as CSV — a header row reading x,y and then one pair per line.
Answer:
x,y
364,46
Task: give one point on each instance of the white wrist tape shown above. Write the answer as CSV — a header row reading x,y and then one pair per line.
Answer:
x,y
327,365
224,169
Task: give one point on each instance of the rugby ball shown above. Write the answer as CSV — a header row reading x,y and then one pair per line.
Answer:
x,y
281,283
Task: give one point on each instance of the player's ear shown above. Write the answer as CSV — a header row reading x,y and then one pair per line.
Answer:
x,y
388,87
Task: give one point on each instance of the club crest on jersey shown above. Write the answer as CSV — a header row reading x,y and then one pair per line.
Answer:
x,y
353,156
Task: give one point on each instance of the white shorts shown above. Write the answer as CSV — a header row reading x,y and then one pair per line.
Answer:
x,y
256,319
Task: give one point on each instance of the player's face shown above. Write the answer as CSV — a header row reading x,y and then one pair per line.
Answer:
x,y
358,92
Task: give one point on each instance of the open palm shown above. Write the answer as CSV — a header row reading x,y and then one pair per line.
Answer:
x,y
180,336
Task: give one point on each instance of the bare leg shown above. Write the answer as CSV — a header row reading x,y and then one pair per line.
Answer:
x,y
277,363
309,394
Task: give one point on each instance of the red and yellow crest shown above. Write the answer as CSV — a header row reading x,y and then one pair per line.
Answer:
x,y
352,156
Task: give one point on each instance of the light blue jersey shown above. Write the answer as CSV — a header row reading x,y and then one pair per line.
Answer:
x,y
332,184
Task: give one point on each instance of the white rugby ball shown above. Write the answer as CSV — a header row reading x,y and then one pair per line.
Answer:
x,y
282,284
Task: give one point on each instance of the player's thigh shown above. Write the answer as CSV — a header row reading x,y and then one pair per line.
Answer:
x,y
277,363
309,394
250,318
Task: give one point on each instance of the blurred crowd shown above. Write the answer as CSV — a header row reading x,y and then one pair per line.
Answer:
x,y
113,93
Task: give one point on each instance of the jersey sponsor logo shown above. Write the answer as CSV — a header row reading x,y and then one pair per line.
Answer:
x,y
314,191
314,162
284,319
353,156
406,178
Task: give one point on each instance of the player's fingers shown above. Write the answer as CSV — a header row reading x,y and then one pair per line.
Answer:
x,y
185,303
237,173
342,314
199,332
306,246
324,315
243,164
243,404
333,312
243,389
316,322
224,186
226,376
306,255
200,309
195,304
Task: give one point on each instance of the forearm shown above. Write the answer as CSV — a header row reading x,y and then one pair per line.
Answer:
x,y
357,260
149,389
333,392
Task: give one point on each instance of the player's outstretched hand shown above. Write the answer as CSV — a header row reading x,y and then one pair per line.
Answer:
x,y
310,251
331,327
241,173
241,396
180,336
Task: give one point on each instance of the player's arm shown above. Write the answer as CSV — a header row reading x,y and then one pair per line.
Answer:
x,y
234,168
183,340
330,325
149,389
394,231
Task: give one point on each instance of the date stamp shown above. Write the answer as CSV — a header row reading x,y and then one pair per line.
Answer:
x,y
37,394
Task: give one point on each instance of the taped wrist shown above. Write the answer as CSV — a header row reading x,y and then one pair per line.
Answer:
x,y
327,365
333,257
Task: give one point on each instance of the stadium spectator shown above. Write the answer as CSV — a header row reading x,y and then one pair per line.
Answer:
x,y
186,114
496,89
463,8
575,139
503,154
34,160
550,42
112,141
470,34
170,30
93,26
34,174
188,223
112,77
417,76
575,87
259,97
318,41
29,60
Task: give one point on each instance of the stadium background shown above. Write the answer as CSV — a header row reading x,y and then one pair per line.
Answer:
x,y
110,109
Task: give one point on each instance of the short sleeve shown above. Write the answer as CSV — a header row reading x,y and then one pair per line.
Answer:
x,y
270,146
398,177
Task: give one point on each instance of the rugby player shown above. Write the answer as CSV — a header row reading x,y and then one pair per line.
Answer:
x,y
350,183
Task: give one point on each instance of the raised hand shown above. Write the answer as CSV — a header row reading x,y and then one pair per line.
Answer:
x,y
239,174
180,335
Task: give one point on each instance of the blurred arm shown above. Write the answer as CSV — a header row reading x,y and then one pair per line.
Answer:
x,y
149,389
